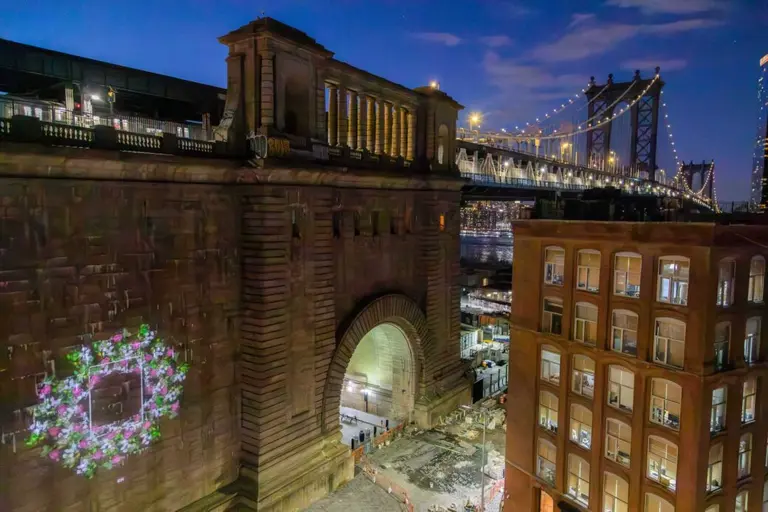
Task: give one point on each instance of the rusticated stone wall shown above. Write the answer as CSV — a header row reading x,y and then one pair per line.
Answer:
x,y
80,260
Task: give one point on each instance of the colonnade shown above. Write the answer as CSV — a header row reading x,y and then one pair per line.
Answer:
x,y
364,122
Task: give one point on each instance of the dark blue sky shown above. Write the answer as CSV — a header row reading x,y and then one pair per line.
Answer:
x,y
510,59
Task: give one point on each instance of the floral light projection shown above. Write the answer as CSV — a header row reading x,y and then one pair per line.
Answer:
x,y
63,420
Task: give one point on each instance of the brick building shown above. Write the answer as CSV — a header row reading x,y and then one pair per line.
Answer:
x,y
639,367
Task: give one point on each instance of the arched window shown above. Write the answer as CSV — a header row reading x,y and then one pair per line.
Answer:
x,y
715,468
621,388
713,508
550,365
554,265
583,381
578,479
624,332
662,462
618,441
548,406
665,403
744,466
726,274
722,345
627,267
581,425
546,461
585,323
655,503
742,501
717,415
669,342
673,280
552,315
752,340
615,493
588,270
748,398
756,279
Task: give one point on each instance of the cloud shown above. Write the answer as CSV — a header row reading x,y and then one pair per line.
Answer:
x,y
669,6
579,18
681,26
650,64
445,38
496,41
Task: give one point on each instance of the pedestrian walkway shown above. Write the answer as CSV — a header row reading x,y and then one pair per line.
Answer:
x,y
358,495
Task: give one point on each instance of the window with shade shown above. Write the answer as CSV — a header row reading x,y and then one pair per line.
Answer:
x,y
618,441
744,464
654,503
588,270
722,345
615,493
624,332
665,403
748,400
581,426
626,274
550,366
578,479
717,414
726,274
552,316
621,388
662,462
752,340
548,406
583,381
585,323
715,468
546,467
669,342
673,280
742,500
713,508
554,266
756,279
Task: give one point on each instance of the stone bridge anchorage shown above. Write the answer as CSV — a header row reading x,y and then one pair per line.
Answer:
x,y
266,273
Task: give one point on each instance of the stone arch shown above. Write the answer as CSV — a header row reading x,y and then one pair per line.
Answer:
x,y
395,309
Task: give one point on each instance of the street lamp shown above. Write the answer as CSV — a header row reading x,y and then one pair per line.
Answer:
x,y
484,413
474,119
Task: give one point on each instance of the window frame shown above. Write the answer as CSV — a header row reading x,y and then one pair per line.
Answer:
x,y
580,376
713,484
744,459
548,405
549,364
585,323
549,446
626,273
614,497
622,332
621,387
668,507
741,505
547,326
667,341
581,477
722,347
725,283
718,406
745,399
663,461
756,286
616,441
551,267
678,284
579,425
662,404
589,270
752,340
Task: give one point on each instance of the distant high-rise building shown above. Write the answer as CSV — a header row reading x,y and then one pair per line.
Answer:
x,y
759,194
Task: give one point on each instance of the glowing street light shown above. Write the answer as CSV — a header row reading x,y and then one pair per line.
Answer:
x,y
474,119
434,84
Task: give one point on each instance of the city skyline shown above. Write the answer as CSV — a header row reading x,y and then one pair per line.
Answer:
x,y
695,42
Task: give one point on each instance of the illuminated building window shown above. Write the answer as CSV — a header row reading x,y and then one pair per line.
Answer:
x,y
546,466
665,403
578,479
552,316
669,342
744,464
581,426
717,414
722,344
621,388
662,462
585,323
583,379
624,332
550,366
626,274
756,279
673,280
725,279
554,265
742,500
752,340
615,493
715,468
548,407
618,441
442,222
655,503
588,271
748,399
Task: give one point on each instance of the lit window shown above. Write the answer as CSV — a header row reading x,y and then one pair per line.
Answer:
x,y
717,415
756,279
669,342
624,332
550,366
742,500
673,280
585,323
662,462
765,496
27,110
615,493
752,340
618,441
581,425
588,277
554,265
749,394
722,344
725,278
655,503
552,317
578,479
713,508
545,464
715,468
548,410
583,382
665,403
442,222
621,388
626,274
745,455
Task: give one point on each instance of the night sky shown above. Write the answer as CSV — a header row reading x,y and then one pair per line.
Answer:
x,y
510,60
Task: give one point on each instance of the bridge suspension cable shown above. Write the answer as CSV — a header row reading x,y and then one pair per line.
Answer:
x,y
563,106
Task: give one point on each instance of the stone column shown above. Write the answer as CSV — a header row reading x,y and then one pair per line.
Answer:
x,y
333,112
403,132
371,125
411,138
387,148
362,125
342,123
379,143
352,136
267,89
395,149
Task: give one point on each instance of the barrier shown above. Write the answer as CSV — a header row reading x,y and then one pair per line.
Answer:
x,y
387,484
